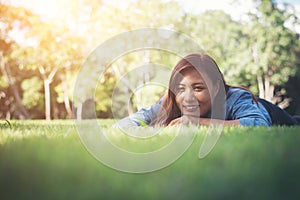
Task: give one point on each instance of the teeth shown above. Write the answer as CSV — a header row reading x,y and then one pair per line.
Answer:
x,y
191,107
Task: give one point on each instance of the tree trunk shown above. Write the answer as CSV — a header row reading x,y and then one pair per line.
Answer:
x,y
270,93
47,99
6,72
269,89
66,97
127,88
47,82
261,89
130,103
79,112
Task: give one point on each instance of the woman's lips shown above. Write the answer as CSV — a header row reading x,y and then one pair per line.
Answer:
x,y
191,109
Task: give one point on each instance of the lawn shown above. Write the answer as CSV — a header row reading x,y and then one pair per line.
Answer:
x,y
47,160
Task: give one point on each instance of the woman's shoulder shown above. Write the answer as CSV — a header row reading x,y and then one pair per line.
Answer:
x,y
238,96
241,104
236,92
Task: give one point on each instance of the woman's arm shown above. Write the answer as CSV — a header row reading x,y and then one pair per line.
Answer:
x,y
186,120
241,109
143,117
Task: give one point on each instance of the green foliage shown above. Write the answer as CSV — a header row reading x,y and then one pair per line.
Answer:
x,y
42,160
3,82
127,80
274,46
32,88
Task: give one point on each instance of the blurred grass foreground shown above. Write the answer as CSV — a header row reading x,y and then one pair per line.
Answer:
x,y
46,160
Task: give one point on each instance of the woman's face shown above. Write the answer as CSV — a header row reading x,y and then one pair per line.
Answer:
x,y
193,96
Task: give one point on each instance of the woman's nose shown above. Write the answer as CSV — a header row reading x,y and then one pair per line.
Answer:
x,y
189,96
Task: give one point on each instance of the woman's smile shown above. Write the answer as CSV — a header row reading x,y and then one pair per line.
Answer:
x,y
191,110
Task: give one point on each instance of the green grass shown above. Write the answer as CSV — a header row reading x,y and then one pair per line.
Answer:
x,y
47,160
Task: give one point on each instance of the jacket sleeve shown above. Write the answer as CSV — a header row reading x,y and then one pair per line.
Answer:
x,y
143,117
241,106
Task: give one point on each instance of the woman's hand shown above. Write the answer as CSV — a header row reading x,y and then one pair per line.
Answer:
x,y
184,120
187,120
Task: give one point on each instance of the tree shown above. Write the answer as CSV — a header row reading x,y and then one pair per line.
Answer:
x,y
42,49
273,47
57,52
11,22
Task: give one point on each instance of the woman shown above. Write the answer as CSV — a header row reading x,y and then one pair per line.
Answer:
x,y
198,94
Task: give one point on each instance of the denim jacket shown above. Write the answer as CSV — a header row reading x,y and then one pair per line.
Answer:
x,y
239,106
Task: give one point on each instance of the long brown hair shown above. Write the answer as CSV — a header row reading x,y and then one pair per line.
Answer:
x,y
209,70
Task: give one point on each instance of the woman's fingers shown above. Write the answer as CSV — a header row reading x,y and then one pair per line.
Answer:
x,y
175,122
184,120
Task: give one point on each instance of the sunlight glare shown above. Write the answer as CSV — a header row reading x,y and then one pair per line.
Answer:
x,y
47,8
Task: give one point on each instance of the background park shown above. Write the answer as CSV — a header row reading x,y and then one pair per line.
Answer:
x,y
43,45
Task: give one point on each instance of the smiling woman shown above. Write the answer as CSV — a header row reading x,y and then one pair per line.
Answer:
x,y
198,94
196,90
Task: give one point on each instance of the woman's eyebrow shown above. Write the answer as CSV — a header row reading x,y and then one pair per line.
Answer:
x,y
194,84
199,83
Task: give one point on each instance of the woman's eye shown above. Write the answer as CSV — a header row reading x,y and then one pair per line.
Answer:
x,y
181,89
198,89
